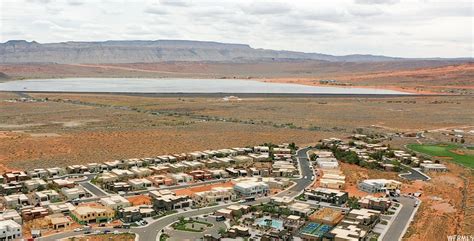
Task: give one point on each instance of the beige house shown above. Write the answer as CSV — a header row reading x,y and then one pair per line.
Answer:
x,y
217,194
92,213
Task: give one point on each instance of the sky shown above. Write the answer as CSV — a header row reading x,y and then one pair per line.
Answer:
x,y
403,28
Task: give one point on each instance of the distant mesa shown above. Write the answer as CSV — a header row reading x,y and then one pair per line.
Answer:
x,y
141,51
4,76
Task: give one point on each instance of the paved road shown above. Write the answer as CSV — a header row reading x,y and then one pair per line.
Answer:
x,y
414,175
93,189
396,229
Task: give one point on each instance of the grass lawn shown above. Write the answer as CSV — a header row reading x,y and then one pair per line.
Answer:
x,y
187,225
444,150
164,237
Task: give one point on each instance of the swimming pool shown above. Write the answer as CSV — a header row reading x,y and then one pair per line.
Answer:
x,y
274,223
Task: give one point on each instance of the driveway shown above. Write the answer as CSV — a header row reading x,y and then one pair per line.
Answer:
x,y
398,227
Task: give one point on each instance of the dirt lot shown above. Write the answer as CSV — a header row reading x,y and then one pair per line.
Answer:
x,y
447,205
192,190
457,79
447,201
104,237
63,130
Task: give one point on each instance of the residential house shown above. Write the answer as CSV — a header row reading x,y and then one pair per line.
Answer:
x,y
242,161
200,175
140,183
159,180
122,174
55,171
11,187
168,201
433,167
300,209
180,178
34,184
141,171
250,189
10,230
59,221
332,196
38,173
107,177
64,208
73,193
16,200
73,169
63,183
377,203
46,196
30,213
135,213
92,212
115,202
118,187
379,185
215,195
10,214
15,176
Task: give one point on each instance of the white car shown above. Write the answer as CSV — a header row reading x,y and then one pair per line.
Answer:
x,y
305,177
312,178
77,229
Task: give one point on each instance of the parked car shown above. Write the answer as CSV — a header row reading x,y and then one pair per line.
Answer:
x,y
77,229
117,226
106,231
102,225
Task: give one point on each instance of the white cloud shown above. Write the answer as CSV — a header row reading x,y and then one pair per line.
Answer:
x,y
411,28
377,1
266,7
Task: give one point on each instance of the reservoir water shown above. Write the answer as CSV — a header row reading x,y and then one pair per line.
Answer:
x,y
174,85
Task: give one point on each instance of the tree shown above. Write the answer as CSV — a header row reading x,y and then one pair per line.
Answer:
x,y
238,215
293,146
40,188
353,202
222,231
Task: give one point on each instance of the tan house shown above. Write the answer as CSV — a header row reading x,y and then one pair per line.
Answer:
x,y
92,212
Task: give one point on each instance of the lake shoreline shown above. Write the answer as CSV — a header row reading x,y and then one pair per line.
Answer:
x,y
184,85
240,95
